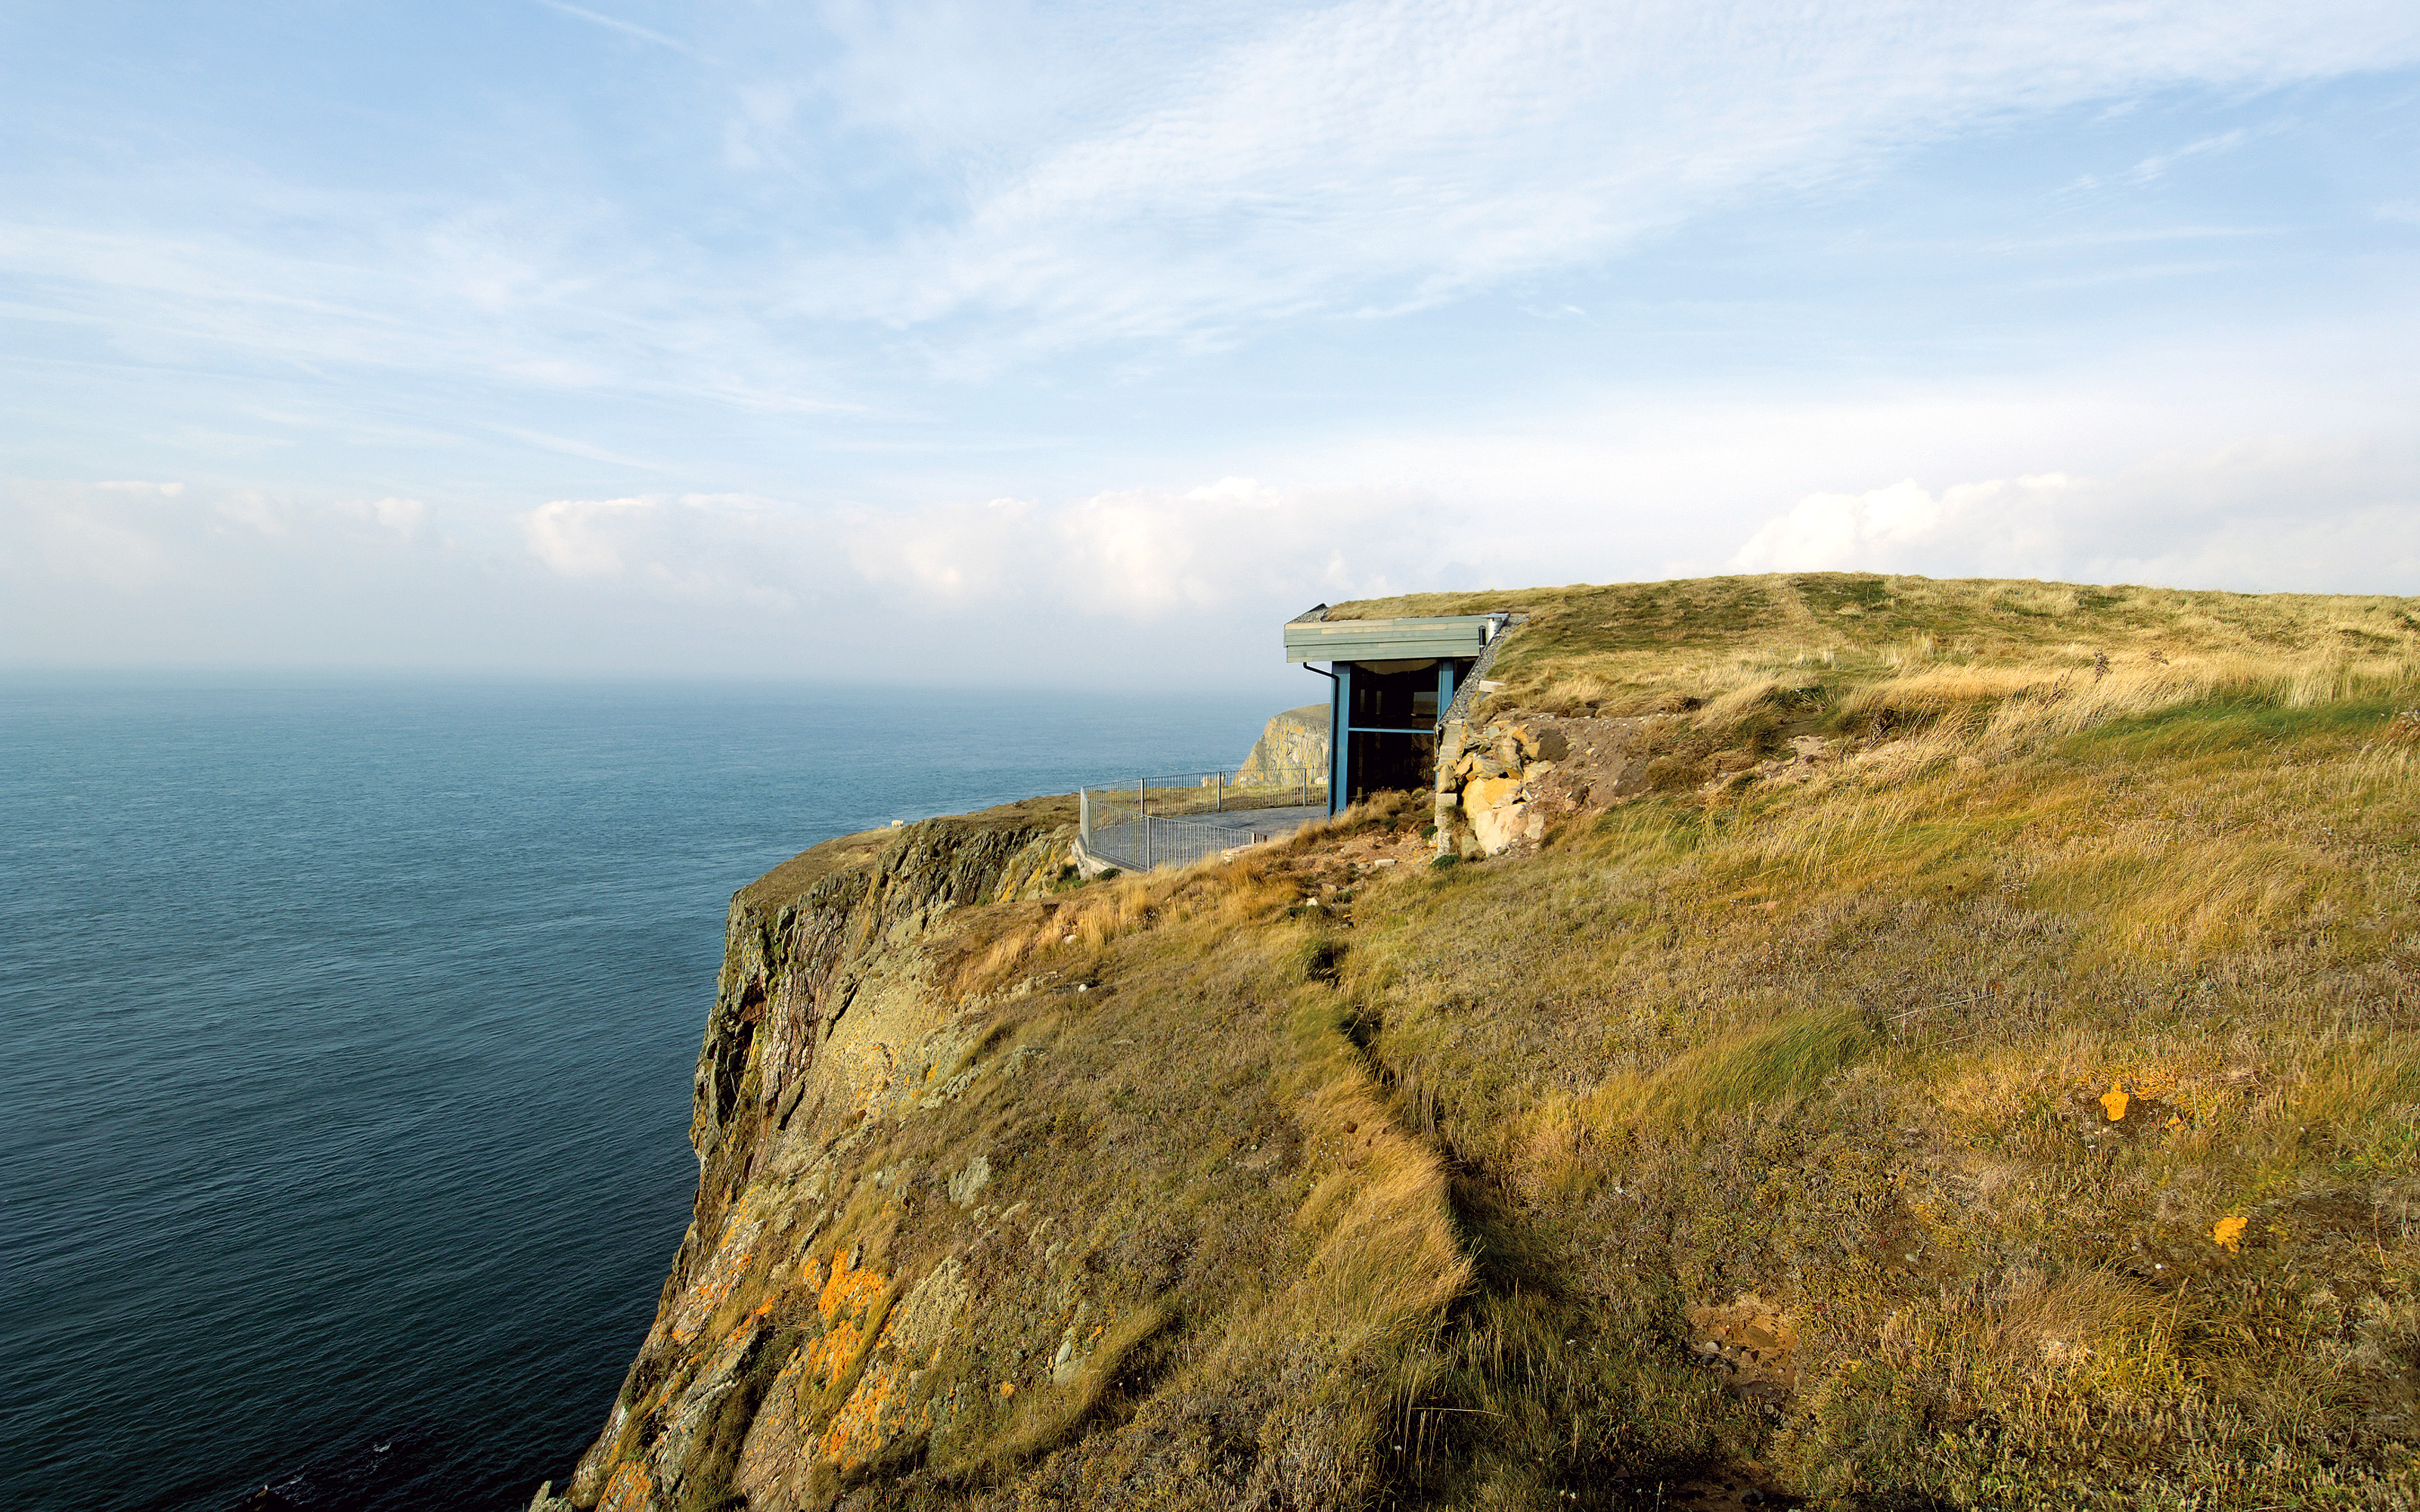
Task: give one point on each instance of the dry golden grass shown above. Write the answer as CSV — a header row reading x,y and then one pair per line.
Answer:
x,y
1853,1043
1926,644
2051,1061
1049,1417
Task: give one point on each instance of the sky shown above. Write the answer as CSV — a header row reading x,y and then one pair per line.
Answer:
x,y
1081,345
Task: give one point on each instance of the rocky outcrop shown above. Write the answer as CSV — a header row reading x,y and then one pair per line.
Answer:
x,y
1015,1192
833,1006
804,943
1292,749
1500,784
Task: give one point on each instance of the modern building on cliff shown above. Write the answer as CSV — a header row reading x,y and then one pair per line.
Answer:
x,y
1392,684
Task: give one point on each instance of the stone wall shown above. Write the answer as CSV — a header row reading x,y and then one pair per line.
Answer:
x,y
1501,783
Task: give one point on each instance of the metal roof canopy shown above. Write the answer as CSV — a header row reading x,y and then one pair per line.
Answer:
x,y
1400,640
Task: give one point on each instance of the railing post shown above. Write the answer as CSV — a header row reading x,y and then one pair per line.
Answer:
x,y
1218,803
1142,812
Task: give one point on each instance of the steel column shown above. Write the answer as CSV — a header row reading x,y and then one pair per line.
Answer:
x,y
1339,740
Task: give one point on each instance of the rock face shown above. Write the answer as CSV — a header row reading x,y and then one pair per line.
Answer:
x,y
767,1359
1001,1203
1293,749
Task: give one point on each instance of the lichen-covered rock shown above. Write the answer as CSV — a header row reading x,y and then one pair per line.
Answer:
x,y
959,1232
1291,749
831,1009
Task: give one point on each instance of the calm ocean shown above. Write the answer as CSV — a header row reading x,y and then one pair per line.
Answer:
x,y
348,1039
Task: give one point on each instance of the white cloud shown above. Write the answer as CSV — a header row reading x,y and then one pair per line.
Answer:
x,y
405,517
1138,556
1152,555
2314,514
1652,496
250,507
1187,581
570,446
2157,165
1828,530
951,553
129,536
540,296
626,28
1389,154
730,549
119,536
1129,176
578,537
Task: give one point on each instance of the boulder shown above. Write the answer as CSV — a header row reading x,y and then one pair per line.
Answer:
x,y
1498,813
1491,792
1539,743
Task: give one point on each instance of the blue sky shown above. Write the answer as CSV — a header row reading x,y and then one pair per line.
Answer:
x,y
1060,344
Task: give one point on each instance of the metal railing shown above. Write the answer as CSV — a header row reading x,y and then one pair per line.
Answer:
x,y
1189,816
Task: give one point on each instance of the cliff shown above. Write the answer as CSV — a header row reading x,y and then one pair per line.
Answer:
x,y
967,1196
1868,1042
1292,749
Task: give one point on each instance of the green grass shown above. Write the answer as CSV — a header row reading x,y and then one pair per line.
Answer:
x,y
1775,1065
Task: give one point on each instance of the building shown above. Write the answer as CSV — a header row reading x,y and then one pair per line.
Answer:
x,y
1391,682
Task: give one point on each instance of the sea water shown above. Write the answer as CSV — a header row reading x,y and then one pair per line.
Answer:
x,y
348,1033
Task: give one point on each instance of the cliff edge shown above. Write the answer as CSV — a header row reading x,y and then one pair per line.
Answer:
x,y
1868,1042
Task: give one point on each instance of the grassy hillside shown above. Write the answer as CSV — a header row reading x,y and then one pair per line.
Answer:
x,y
1852,644
2036,1097
2017,1108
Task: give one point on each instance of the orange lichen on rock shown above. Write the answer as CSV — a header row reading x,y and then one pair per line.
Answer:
x,y
856,1431
844,1302
714,1282
748,1324
849,1289
822,1360
792,1432
629,1488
